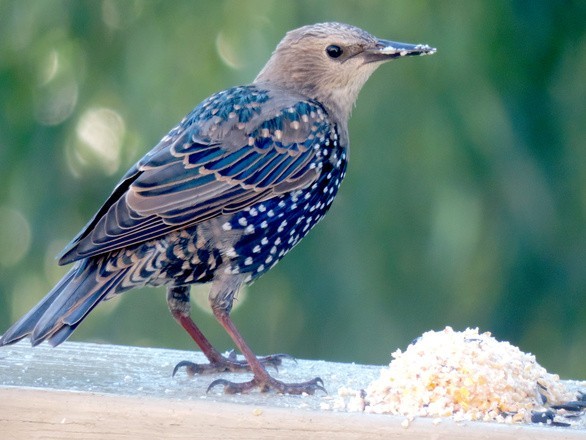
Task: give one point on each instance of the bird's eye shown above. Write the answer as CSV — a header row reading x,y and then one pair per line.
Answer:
x,y
334,51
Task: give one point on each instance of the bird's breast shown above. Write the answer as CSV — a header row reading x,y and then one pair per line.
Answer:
x,y
271,228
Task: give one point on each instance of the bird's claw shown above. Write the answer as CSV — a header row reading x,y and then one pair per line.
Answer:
x,y
264,385
191,368
230,364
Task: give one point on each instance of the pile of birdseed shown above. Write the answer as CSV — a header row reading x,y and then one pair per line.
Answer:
x,y
465,375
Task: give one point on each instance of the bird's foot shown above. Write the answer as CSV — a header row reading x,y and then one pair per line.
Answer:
x,y
269,383
230,364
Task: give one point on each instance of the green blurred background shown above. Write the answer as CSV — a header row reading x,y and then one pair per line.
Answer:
x,y
464,205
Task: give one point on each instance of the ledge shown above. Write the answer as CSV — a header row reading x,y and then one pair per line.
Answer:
x,y
92,391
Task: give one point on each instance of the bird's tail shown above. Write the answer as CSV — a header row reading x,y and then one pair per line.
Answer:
x,y
59,313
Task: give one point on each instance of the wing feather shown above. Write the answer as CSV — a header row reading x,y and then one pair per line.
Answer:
x,y
223,157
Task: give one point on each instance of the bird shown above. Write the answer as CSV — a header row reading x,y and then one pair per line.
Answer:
x,y
223,197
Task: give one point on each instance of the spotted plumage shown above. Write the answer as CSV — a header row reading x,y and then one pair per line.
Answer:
x,y
224,195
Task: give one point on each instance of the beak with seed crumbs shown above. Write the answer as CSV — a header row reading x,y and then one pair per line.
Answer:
x,y
386,50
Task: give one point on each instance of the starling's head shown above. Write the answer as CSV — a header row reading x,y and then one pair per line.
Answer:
x,y
331,62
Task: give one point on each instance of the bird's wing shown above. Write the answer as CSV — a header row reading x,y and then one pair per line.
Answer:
x,y
198,172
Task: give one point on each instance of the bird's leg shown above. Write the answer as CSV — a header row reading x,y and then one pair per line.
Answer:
x,y
262,379
221,306
180,307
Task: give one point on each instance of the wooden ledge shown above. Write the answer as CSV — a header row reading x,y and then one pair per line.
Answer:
x,y
96,391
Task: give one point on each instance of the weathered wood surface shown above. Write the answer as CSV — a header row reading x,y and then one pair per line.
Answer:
x,y
95,391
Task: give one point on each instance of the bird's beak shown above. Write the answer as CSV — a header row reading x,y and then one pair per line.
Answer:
x,y
385,50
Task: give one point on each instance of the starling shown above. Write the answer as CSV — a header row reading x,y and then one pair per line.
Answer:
x,y
224,196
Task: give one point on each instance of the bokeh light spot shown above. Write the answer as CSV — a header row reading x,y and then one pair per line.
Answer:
x,y
49,68
55,101
100,133
227,51
15,236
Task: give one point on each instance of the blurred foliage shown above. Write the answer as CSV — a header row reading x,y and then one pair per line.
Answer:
x,y
465,202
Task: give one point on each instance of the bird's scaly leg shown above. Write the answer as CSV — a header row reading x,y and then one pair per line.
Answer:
x,y
179,305
262,379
